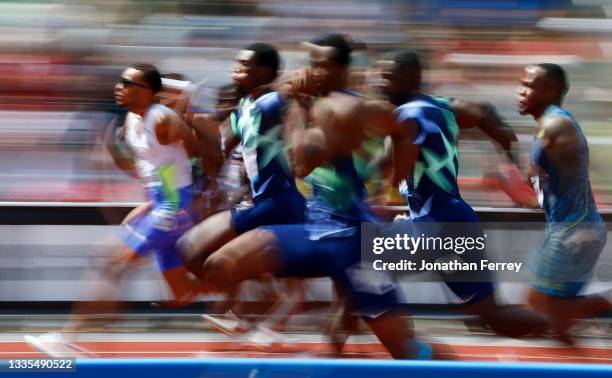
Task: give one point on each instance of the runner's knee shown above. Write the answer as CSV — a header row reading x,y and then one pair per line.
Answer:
x,y
218,270
188,249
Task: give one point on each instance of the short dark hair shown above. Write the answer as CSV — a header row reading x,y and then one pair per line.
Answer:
x,y
266,55
556,75
407,59
343,47
150,75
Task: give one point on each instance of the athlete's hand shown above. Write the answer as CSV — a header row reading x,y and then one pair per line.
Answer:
x,y
303,83
511,181
297,154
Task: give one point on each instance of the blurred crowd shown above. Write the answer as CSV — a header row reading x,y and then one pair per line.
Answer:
x,y
59,63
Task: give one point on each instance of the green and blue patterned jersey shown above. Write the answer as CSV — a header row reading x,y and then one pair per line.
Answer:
x,y
258,124
437,165
337,185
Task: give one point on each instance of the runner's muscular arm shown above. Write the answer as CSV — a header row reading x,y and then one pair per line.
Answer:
x,y
559,145
169,128
309,148
297,86
483,116
207,129
560,139
228,140
335,130
114,140
402,153
382,161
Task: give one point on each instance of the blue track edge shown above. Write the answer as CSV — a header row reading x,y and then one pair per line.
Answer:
x,y
315,368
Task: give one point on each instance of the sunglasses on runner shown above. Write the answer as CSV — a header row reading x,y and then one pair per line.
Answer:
x,y
129,83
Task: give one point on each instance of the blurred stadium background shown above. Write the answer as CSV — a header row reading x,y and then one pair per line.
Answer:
x,y
59,62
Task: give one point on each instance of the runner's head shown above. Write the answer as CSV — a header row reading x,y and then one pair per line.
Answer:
x,y
137,86
399,75
256,65
541,85
330,59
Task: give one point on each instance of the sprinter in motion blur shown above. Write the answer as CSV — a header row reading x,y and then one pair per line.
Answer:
x,y
575,233
155,146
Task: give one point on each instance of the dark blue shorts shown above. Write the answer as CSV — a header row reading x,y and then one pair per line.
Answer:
x,y
287,207
336,255
456,218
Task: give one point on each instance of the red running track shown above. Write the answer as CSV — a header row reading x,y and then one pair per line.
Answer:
x,y
157,349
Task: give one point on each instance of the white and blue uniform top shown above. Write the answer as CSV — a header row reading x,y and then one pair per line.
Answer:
x,y
163,169
258,124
